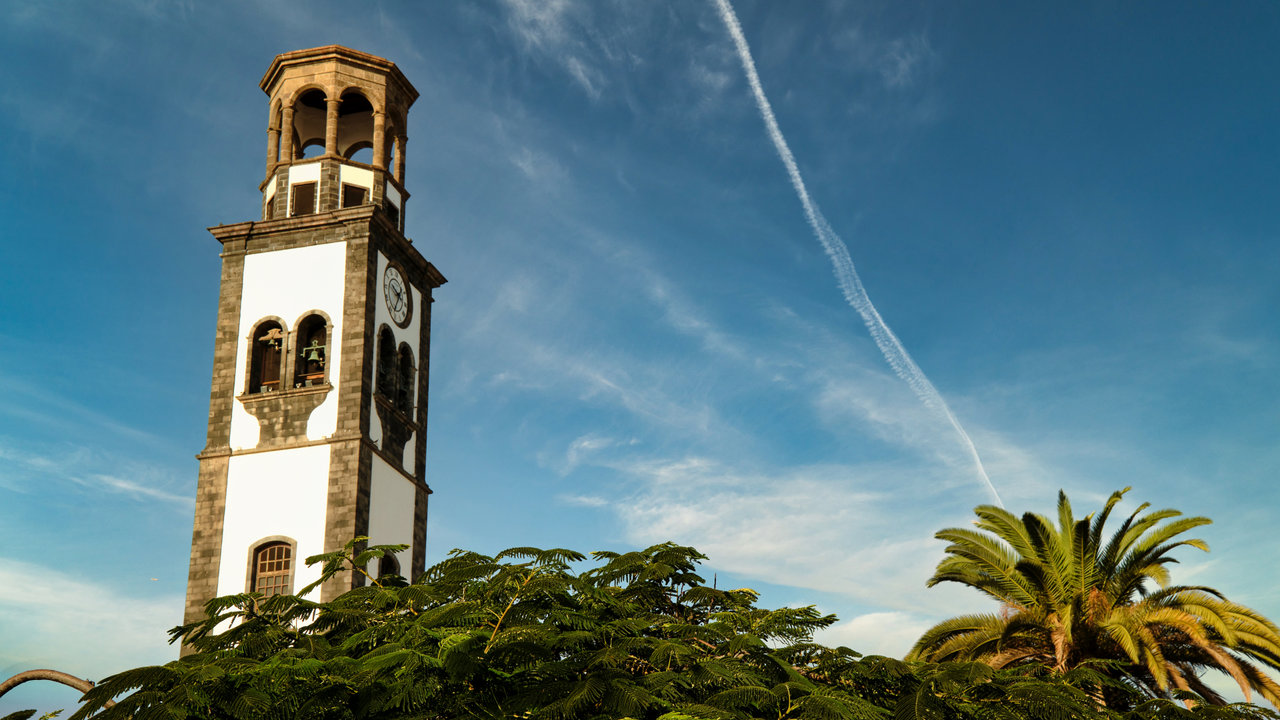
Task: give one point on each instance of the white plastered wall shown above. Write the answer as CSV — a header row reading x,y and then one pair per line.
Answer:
x,y
287,284
268,196
349,175
309,172
279,493
392,497
410,335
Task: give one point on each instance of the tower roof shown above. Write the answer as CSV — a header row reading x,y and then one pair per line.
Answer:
x,y
338,56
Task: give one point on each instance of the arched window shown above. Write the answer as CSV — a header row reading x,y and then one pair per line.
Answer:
x,y
272,569
312,347
264,364
388,565
386,382
404,381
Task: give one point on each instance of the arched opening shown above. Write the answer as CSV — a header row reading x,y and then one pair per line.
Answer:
x,y
388,565
355,123
361,152
312,148
389,144
312,348
386,382
273,131
404,381
309,114
272,569
264,363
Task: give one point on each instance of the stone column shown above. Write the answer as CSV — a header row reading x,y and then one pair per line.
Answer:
x,y
286,135
400,142
331,127
379,139
273,146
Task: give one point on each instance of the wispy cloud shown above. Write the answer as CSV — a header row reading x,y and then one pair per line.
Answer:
x,y
591,501
539,167
545,28
588,77
902,60
889,633
92,469
52,619
539,23
582,448
856,530
846,275
26,399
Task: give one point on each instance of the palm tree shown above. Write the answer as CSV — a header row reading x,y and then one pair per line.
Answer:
x,y
1070,597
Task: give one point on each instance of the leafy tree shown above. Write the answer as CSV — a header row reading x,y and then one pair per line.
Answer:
x,y
524,635
1070,595
515,635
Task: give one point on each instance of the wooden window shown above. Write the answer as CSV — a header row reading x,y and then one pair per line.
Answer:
x,y
353,195
393,212
273,569
304,198
312,358
264,365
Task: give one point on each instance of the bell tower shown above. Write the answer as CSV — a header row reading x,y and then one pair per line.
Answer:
x,y
318,408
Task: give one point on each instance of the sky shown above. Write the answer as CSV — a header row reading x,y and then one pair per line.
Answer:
x,y
1063,216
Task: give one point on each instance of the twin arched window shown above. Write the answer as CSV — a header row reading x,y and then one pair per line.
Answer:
x,y
396,372
268,344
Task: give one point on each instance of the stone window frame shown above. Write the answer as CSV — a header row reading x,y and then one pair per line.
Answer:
x,y
346,190
251,564
251,354
293,341
293,198
288,353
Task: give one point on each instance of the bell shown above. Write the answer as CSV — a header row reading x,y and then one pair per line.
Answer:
x,y
314,355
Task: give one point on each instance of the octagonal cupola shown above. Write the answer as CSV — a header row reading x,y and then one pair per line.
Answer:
x,y
336,133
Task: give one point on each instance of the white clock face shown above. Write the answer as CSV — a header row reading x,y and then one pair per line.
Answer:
x,y
396,293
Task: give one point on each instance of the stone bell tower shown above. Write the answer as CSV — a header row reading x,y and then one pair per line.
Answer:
x,y
318,410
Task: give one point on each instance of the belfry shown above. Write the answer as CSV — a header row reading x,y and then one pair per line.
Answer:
x,y
318,409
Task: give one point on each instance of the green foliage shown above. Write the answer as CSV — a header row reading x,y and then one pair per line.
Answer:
x,y
524,635
28,714
1070,595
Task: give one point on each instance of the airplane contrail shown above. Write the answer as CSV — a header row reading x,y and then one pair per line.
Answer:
x,y
842,264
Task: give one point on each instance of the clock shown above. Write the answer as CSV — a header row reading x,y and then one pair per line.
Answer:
x,y
396,292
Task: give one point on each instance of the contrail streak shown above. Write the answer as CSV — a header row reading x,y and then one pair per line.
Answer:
x,y
842,264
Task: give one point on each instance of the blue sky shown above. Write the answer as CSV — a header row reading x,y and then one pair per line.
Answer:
x,y
1065,213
